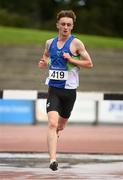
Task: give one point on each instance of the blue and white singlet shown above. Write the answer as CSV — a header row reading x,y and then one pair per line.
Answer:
x,y
62,73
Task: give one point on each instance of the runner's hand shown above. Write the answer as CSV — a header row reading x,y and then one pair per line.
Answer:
x,y
67,56
42,63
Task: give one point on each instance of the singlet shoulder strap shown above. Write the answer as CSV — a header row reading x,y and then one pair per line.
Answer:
x,y
67,44
53,42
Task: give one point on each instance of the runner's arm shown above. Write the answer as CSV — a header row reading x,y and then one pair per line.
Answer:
x,y
44,60
85,59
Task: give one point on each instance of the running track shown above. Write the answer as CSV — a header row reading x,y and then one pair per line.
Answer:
x,y
74,139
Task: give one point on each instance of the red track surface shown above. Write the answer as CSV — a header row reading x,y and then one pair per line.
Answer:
x,y
74,139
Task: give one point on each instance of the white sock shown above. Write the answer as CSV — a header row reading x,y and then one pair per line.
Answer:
x,y
52,160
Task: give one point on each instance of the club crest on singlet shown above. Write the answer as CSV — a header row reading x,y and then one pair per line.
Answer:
x,y
59,53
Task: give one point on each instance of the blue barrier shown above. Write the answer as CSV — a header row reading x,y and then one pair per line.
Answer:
x,y
17,111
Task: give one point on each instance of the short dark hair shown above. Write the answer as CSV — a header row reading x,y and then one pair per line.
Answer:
x,y
66,13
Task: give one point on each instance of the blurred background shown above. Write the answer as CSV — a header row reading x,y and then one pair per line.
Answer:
x,y
24,28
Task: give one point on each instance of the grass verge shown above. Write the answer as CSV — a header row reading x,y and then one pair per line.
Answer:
x,y
19,36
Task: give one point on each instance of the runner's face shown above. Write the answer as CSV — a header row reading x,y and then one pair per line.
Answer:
x,y
65,25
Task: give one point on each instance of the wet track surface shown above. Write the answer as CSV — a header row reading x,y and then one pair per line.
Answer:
x,y
34,166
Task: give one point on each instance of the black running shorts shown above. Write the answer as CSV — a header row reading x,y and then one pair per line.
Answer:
x,y
61,100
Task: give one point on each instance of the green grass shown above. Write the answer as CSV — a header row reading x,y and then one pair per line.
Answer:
x,y
101,42
18,36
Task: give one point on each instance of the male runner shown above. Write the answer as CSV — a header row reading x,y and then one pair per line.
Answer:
x,y
64,55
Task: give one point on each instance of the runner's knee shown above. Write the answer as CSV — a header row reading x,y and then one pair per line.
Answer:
x,y
53,124
60,128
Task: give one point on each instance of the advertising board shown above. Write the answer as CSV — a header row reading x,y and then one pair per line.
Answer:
x,y
17,111
111,111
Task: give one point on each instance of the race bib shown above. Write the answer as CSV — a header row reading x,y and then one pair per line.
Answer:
x,y
58,75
